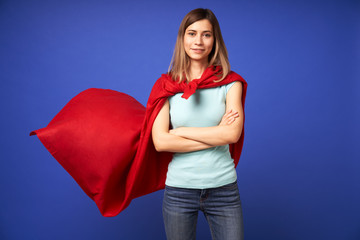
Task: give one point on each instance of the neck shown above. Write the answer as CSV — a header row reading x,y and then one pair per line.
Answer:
x,y
196,69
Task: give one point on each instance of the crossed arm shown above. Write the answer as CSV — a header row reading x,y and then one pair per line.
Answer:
x,y
187,139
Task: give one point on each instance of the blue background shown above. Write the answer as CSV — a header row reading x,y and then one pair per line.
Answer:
x,y
299,171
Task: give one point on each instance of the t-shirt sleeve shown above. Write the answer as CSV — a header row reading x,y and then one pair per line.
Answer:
x,y
228,86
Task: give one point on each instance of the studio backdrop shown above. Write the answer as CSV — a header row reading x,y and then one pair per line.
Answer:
x,y
298,174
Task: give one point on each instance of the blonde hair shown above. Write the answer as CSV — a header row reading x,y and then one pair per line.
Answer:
x,y
180,61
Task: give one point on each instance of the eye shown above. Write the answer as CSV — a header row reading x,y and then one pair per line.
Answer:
x,y
191,33
207,35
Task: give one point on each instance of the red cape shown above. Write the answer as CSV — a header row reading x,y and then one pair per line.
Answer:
x,y
103,139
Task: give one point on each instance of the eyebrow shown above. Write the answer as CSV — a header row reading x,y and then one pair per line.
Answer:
x,y
195,30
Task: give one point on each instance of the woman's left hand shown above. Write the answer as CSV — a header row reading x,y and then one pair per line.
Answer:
x,y
229,117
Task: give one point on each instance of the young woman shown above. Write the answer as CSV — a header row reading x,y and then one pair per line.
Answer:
x,y
198,130
194,159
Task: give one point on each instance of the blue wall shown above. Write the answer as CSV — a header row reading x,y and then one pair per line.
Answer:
x,y
299,172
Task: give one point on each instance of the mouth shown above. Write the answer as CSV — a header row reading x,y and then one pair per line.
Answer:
x,y
197,50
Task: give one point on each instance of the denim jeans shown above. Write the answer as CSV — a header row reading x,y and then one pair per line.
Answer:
x,y
221,207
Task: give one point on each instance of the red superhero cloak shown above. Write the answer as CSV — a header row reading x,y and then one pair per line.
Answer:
x,y
103,139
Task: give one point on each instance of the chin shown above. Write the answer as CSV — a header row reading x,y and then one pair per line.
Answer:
x,y
197,58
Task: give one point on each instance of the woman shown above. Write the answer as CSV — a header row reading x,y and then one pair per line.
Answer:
x,y
195,158
201,175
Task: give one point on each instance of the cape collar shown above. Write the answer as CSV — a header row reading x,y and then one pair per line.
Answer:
x,y
206,80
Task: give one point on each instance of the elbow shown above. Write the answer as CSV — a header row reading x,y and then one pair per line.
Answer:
x,y
160,145
234,136
234,139
229,139
159,148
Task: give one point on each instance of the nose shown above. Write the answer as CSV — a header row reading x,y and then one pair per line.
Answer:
x,y
198,39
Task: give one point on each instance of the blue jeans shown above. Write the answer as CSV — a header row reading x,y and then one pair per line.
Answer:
x,y
221,207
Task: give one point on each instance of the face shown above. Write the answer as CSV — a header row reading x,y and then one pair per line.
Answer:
x,y
199,40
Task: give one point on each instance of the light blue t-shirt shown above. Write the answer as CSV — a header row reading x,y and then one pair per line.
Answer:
x,y
206,168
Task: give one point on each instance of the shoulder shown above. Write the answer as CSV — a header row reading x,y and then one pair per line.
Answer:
x,y
234,90
228,86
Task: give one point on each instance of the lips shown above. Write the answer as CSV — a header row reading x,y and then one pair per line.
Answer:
x,y
197,50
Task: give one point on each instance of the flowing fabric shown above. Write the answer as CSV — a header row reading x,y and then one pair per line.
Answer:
x,y
103,139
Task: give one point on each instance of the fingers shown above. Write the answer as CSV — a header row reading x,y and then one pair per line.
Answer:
x,y
229,117
231,120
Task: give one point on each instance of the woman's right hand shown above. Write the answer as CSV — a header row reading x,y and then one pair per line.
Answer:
x,y
229,117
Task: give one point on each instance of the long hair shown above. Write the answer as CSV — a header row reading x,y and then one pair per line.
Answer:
x,y
180,61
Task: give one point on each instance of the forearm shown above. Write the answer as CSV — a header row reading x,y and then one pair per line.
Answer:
x,y
214,136
166,142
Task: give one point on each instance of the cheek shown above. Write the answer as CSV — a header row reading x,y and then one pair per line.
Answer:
x,y
211,44
186,47
186,42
